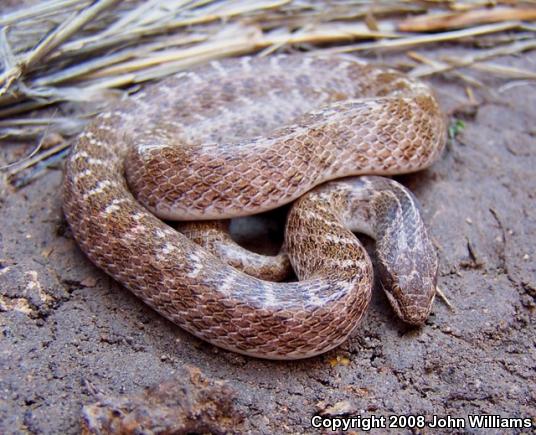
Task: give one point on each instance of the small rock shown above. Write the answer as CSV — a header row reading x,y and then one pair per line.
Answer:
x,y
89,281
344,407
188,403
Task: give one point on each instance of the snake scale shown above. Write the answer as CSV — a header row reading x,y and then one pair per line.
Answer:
x,y
245,135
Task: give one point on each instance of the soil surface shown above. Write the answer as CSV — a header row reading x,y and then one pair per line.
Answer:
x,y
71,335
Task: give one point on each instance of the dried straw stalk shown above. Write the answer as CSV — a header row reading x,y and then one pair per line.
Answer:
x,y
79,51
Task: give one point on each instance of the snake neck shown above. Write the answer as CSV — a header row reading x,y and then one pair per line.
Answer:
x,y
389,213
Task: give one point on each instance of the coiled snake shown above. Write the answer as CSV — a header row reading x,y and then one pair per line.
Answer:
x,y
242,136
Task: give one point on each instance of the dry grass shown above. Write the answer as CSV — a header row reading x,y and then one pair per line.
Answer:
x,y
85,54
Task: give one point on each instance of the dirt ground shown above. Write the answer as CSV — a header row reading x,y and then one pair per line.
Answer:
x,y
71,335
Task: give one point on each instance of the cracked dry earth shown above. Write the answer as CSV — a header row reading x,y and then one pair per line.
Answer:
x,y
70,336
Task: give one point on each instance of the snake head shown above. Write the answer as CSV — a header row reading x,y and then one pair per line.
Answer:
x,y
412,298
411,286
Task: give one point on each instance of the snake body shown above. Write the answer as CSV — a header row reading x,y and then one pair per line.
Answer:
x,y
242,136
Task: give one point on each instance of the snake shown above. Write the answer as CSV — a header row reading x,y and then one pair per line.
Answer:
x,y
240,136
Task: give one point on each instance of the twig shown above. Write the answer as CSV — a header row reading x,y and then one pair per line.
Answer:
x,y
33,159
63,32
38,10
413,41
452,20
444,298
438,67
39,168
516,47
500,70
